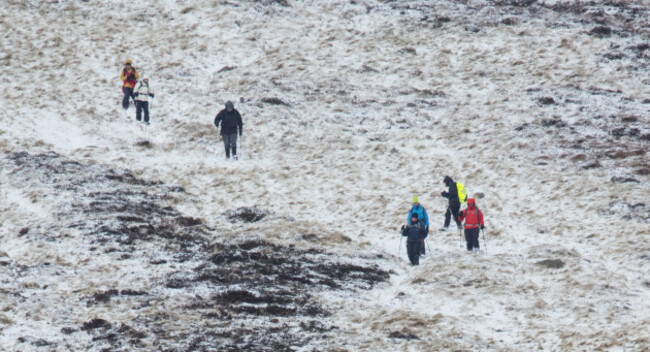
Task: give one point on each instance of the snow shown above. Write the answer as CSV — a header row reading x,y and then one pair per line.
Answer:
x,y
383,99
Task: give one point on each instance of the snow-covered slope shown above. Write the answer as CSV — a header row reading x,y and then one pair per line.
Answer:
x,y
120,237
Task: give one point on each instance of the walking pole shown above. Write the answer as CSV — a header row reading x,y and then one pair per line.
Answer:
x,y
484,240
399,248
460,240
241,147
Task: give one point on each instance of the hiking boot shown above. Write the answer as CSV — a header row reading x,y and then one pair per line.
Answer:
x,y
443,229
234,157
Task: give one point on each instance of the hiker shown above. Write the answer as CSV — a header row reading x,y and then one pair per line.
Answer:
x,y
129,76
422,216
230,121
456,194
414,233
473,222
142,92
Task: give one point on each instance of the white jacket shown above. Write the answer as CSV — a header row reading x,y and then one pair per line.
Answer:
x,y
142,91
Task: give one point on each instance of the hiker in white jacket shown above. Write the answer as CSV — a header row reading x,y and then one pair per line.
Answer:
x,y
142,93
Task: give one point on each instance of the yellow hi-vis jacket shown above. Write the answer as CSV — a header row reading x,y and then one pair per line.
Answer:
x,y
462,192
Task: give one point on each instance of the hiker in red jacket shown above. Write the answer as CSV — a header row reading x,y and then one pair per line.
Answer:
x,y
473,218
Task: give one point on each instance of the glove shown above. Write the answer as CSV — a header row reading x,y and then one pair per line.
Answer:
x,y
131,76
482,227
403,227
444,194
136,94
151,95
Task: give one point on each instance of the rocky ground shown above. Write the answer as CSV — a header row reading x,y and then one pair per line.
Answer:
x,y
239,294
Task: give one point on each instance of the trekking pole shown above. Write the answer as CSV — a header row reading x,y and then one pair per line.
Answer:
x,y
460,240
484,240
399,248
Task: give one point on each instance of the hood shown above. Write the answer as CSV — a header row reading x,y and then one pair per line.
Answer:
x,y
448,180
471,203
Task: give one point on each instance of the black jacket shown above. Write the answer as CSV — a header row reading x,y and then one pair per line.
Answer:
x,y
452,193
414,231
230,121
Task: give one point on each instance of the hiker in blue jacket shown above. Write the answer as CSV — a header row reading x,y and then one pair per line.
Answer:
x,y
418,209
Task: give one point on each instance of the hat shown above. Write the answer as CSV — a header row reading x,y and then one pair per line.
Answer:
x,y
128,62
145,78
229,104
416,200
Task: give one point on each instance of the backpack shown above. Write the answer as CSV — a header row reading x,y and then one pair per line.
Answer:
x,y
462,193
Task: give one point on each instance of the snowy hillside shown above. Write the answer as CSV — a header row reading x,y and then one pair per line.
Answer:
x,y
116,236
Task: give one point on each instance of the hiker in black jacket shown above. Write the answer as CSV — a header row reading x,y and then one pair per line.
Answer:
x,y
414,232
231,124
454,203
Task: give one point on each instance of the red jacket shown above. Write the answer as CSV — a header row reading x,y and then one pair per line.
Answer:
x,y
472,215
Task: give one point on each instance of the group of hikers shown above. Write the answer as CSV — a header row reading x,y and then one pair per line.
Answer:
x,y
417,229
228,119
138,91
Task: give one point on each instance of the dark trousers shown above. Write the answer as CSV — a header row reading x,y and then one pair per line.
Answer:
x,y
141,106
128,94
452,210
413,251
471,236
230,141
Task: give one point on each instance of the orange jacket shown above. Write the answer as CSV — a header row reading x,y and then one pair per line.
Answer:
x,y
129,82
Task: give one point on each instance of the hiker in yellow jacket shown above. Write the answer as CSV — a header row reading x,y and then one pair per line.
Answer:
x,y
130,77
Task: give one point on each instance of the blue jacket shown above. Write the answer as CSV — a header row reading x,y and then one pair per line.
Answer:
x,y
414,231
422,215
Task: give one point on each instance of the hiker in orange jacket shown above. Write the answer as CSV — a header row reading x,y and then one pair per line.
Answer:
x,y
130,77
473,218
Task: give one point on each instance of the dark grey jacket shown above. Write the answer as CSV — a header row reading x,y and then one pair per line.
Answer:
x,y
230,121
414,231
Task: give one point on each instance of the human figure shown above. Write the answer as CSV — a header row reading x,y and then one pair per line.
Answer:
x,y
129,76
414,233
452,194
142,92
473,218
418,209
231,124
